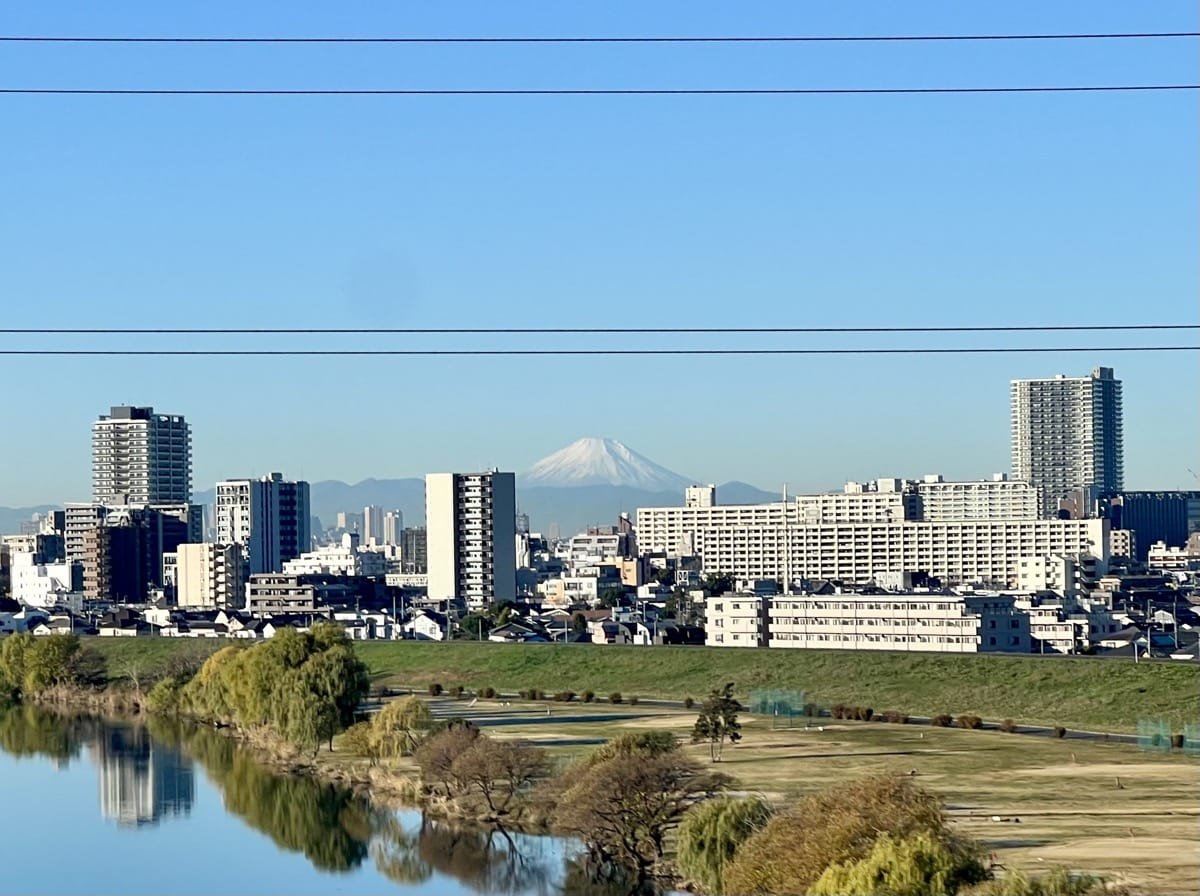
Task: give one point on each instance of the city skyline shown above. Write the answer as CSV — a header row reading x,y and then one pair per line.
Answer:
x,y
639,211
1148,459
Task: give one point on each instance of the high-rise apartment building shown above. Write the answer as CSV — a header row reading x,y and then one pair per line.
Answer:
x,y
1067,435
471,524
268,517
140,457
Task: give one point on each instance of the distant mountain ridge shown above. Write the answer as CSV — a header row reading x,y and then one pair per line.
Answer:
x,y
590,482
572,508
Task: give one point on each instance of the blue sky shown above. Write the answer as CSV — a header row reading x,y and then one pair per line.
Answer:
x,y
700,211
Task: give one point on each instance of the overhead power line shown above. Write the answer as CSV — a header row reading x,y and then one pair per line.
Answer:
x,y
579,91
550,352
666,39
508,331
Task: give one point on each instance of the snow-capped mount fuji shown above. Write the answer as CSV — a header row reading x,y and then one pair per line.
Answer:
x,y
595,461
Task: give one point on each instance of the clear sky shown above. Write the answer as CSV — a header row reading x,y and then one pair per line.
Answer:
x,y
580,211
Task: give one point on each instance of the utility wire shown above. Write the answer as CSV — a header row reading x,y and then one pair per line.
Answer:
x,y
508,331
582,91
507,352
669,39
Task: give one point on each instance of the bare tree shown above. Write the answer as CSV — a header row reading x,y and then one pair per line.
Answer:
x,y
623,807
495,774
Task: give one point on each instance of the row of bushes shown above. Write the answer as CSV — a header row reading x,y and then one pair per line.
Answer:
x,y
458,692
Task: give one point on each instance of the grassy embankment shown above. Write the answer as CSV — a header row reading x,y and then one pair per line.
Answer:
x,y
1078,693
1031,802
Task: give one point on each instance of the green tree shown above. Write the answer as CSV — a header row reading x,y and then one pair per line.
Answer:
x,y
475,626
579,624
718,583
1057,882
920,865
839,824
611,597
399,726
44,662
710,833
718,721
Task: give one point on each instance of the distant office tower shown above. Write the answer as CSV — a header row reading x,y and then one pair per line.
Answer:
x,y
471,522
523,523
393,525
268,517
1067,434
210,576
414,550
700,496
372,528
140,457
1169,517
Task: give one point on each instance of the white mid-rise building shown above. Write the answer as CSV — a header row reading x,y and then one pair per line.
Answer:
x,y
372,529
998,498
140,457
37,584
470,520
210,575
268,517
736,620
393,525
700,496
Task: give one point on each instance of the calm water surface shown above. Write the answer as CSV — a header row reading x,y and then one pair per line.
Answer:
x,y
95,807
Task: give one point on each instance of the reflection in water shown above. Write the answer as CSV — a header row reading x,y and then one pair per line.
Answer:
x,y
142,781
146,775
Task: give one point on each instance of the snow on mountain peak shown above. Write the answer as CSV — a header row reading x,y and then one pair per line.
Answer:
x,y
594,461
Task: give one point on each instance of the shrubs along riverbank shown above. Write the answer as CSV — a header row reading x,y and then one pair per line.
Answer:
x,y
1077,693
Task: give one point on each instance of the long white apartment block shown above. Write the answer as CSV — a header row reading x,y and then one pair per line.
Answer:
x,y
930,622
933,622
884,526
957,552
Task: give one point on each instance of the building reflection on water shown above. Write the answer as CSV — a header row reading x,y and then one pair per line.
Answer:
x,y
141,780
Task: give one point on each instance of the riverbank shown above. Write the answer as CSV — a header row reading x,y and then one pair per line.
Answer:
x,y
1074,692
1031,802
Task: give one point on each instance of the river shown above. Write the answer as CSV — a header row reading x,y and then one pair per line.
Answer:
x,y
91,806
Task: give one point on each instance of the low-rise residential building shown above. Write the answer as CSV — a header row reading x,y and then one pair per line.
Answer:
x,y
39,584
346,558
736,620
273,593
